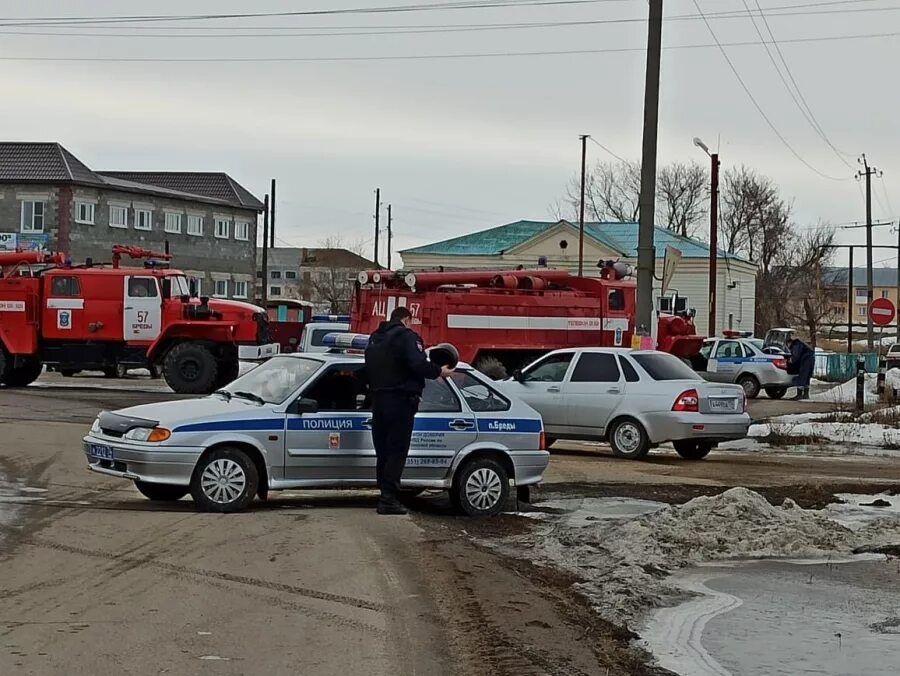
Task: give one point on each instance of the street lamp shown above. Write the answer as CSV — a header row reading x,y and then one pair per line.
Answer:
x,y
713,231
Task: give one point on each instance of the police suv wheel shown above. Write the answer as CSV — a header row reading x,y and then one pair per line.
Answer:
x,y
481,488
750,385
161,492
628,439
191,368
224,481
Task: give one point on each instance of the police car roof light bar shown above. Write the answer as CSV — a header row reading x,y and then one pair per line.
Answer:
x,y
330,318
346,341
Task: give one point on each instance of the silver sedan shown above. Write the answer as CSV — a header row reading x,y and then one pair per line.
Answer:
x,y
635,400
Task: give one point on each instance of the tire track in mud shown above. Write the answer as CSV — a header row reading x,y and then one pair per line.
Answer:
x,y
128,563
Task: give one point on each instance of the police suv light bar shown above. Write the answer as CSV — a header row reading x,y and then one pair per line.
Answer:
x,y
346,341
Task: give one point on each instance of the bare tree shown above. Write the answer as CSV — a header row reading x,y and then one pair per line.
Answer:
x,y
328,276
613,190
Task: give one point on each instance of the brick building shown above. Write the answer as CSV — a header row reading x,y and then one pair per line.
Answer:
x,y
51,200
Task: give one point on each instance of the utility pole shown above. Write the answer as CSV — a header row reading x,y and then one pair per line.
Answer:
x,y
377,224
272,219
646,247
851,306
870,335
584,138
390,235
713,240
265,253
898,280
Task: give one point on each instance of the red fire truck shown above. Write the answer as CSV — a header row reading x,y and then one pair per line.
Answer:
x,y
501,320
104,317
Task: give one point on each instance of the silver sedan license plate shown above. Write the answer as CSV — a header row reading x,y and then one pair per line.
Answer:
x,y
101,452
722,404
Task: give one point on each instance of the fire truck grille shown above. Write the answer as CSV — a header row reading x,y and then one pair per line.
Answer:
x,y
262,328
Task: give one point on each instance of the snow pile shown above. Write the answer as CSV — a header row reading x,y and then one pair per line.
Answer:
x,y
845,393
625,563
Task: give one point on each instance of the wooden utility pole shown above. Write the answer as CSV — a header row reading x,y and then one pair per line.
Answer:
x,y
272,219
646,247
377,224
265,253
867,173
390,236
851,305
584,138
713,240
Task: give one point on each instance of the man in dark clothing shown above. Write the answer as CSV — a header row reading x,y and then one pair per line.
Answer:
x,y
803,361
396,368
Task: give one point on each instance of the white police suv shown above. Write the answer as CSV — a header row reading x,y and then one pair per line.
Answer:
x,y
303,421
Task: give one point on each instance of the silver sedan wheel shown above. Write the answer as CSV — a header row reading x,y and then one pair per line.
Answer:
x,y
628,437
223,481
483,488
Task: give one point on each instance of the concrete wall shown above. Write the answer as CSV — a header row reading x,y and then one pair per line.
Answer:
x,y
206,257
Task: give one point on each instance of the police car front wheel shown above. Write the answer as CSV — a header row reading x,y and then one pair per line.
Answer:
x,y
161,492
481,488
225,480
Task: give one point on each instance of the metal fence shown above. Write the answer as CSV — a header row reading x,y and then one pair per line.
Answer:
x,y
840,366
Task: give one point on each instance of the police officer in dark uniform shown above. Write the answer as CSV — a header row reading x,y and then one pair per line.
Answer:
x,y
396,368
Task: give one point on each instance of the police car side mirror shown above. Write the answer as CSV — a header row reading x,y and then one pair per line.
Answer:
x,y
518,377
304,405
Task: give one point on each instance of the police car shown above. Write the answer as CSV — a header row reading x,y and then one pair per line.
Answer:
x,y
739,359
303,421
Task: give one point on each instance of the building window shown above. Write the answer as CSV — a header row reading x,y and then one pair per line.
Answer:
x,y
242,231
885,293
195,225
221,288
32,216
221,228
240,289
173,223
143,219
197,285
259,274
862,311
290,274
862,295
276,274
118,217
274,290
84,212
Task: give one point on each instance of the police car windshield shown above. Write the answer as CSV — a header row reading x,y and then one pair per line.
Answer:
x,y
275,380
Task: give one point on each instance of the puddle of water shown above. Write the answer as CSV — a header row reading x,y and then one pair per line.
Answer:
x,y
858,512
781,619
581,512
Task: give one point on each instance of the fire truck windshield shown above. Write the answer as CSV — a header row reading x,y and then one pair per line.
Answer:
x,y
179,286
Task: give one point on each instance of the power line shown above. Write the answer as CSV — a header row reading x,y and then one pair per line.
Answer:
x,y
414,57
420,28
595,141
753,100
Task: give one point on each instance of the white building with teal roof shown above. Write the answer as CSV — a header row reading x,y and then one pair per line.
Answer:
x,y
556,242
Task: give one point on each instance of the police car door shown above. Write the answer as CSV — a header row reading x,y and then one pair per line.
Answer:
x,y
142,316
443,426
334,443
726,357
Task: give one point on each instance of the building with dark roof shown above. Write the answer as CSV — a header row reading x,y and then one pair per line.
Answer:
x,y
49,199
556,244
837,283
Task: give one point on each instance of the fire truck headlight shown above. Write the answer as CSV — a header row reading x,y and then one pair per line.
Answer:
x,y
154,435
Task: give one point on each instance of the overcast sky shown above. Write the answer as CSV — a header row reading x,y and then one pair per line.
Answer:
x,y
456,145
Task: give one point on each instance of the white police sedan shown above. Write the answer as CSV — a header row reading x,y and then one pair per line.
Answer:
x,y
303,421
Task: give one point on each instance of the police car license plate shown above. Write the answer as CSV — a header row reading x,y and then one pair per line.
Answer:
x,y
722,404
101,452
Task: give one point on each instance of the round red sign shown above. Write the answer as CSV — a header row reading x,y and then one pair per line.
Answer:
x,y
882,311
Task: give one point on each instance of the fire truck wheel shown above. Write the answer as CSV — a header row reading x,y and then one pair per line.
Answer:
x,y
161,492
750,385
776,392
68,373
225,480
228,372
156,371
22,375
491,367
480,488
629,439
191,368
117,371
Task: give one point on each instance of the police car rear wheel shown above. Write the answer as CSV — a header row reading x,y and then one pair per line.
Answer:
x,y
690,449
224,480
161,492
776,392
750,385
481,488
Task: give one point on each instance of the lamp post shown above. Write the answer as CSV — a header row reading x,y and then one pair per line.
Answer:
x,y
713,232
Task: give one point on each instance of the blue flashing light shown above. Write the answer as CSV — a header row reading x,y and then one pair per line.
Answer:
x,y
330,318
346,341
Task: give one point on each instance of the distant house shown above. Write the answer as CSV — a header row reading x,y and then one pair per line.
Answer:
x,y
52,200
837,285
322,276
556,244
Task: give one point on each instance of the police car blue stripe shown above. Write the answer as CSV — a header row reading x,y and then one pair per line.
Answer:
x,y
523,425
333,423
256,425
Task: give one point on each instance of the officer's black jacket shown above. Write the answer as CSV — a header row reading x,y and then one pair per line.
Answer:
x,y
396,361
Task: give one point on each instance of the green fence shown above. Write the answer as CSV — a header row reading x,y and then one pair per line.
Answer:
x,y
840,366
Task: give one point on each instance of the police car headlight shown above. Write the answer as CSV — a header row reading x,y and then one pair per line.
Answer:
x,y
153,435
95,428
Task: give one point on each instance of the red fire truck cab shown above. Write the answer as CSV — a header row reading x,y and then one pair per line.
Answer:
x,y
501,320
100,317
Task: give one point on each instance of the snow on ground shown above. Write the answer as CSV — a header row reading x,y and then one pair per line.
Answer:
x,y
625,561
845,393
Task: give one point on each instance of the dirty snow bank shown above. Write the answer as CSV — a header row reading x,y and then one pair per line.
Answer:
x,y
845,393
624,564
